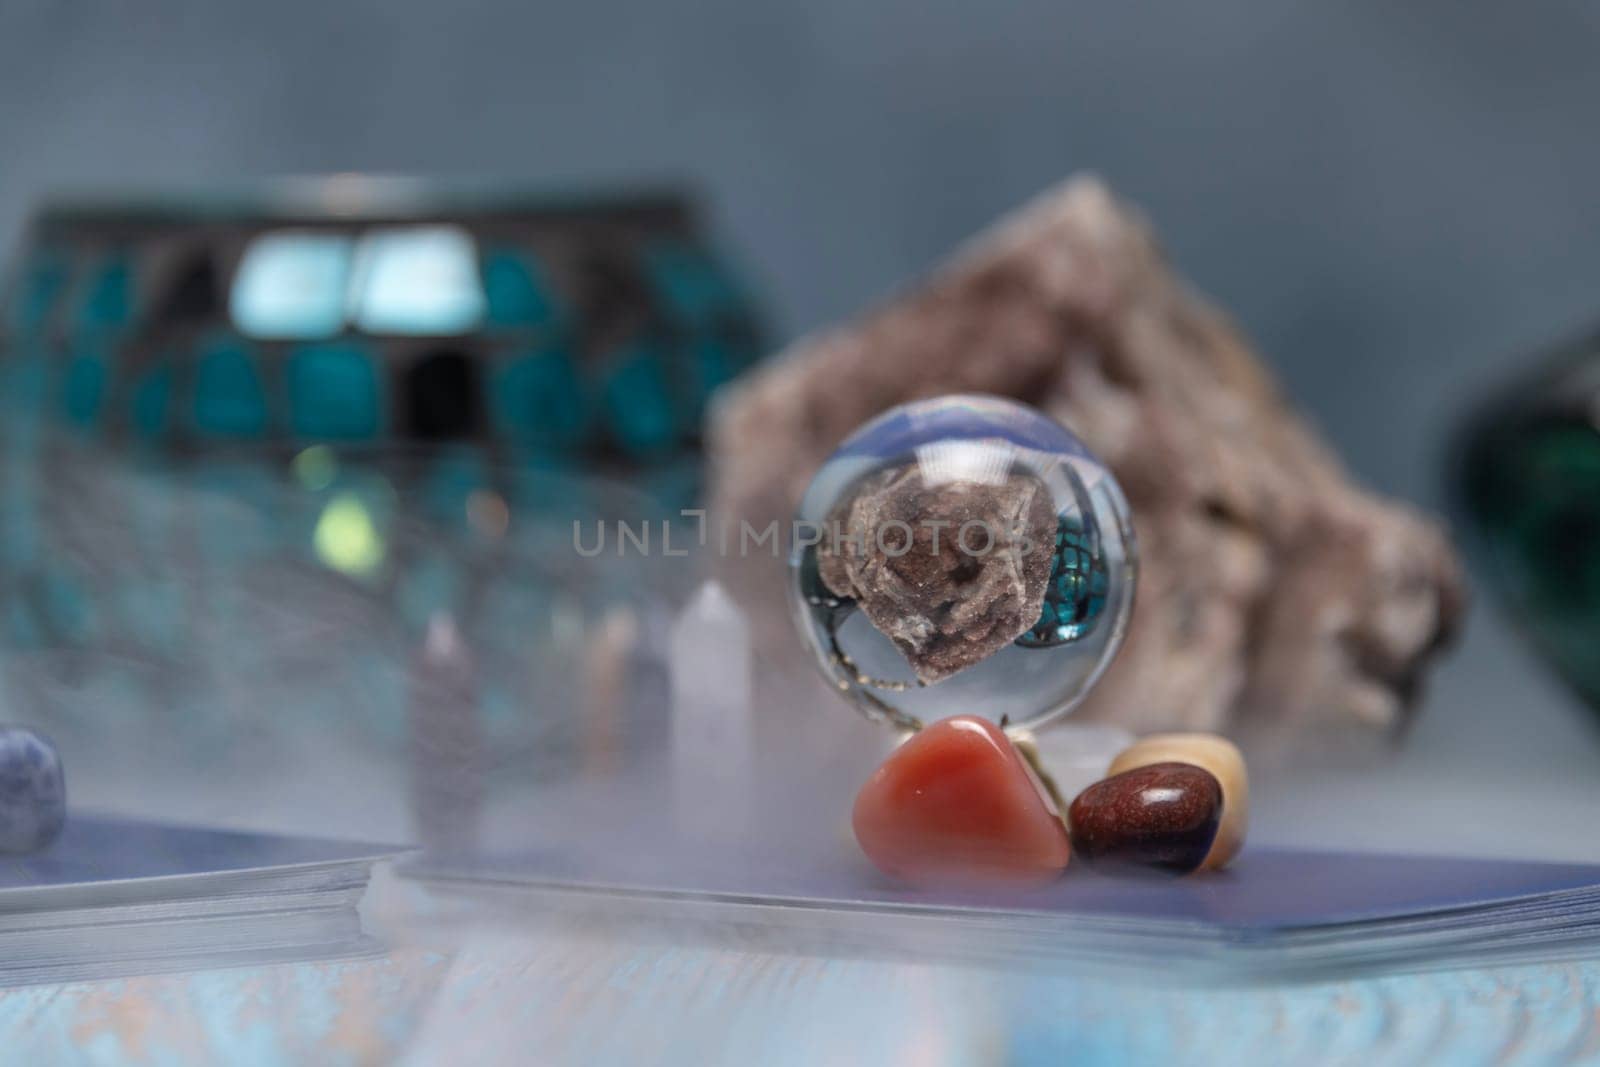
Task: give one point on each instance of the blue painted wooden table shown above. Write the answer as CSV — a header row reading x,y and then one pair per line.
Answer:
x,y
547,990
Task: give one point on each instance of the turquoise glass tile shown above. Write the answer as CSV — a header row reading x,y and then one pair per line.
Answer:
x,y
293,285
83,388
517,291
691,286
229,399
151,403
335,392
38,289
418,281
638,403
108,299
539,400
701,365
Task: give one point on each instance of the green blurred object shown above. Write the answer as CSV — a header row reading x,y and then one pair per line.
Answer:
x,y
1528,482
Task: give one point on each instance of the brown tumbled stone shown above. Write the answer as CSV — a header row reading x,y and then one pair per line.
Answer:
x,y
1164,815
1210,753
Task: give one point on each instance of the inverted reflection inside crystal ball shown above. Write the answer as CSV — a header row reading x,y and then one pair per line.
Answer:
x,y
964,555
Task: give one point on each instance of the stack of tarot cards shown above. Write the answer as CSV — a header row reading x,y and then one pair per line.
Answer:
x,y
118,897
1273,912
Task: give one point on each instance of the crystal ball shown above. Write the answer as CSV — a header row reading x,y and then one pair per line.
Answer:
x,y
964,555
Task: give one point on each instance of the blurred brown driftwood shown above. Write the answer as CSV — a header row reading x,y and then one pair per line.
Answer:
x,y
1272,591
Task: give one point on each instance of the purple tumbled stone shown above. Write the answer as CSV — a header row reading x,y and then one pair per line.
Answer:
x,y
33,790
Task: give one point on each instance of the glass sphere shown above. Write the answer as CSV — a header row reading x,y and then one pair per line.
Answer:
x,y
964,555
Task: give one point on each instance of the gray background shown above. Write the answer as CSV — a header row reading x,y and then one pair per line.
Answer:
x,y
1394,200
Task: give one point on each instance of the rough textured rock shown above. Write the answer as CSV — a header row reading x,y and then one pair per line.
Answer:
x,y
1272,591
944,607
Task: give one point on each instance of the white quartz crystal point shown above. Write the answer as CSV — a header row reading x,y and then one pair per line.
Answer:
x,y
447,754
442,644
710,654
608,659
711,703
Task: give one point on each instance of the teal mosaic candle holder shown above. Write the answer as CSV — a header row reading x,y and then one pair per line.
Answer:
x,y
586,334
453,348
259,447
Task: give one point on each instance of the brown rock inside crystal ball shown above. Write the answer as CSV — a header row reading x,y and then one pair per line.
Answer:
x,y
1162,816
951,573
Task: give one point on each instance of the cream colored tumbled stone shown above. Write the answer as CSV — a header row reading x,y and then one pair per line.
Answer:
x,y
1209,752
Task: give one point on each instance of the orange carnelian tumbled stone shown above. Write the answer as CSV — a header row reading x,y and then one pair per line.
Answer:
x,y
957,805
